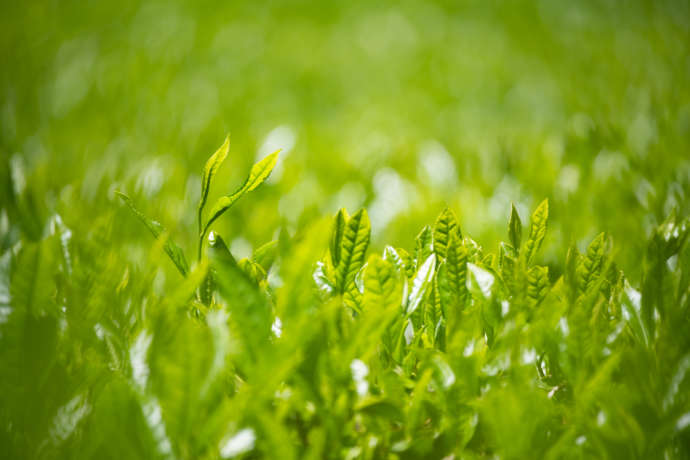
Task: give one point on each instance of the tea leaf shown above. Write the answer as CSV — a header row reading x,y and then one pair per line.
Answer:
x,y
445,225
454,284
515,228
337,233
353,248
266,255
420,284
433,313
382,287
537,231
424,245
352,297
258,174
589,268
537,285
210,169
171,249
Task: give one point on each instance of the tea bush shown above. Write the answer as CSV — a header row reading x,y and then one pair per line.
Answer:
x,y
317,347
152,308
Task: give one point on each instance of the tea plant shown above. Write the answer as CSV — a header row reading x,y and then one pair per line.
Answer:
x,y
314,347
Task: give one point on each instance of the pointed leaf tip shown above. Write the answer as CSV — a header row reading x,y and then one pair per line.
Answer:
x,y
171,249
515,228
210,170
257,175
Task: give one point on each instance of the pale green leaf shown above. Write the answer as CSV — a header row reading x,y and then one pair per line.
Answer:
x,y
258,174
481,281
382,287
424,245
537,285
210,169
420,284
537,230
252,269
323,277
352,297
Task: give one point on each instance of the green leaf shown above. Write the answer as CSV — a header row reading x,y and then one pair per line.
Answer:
x,y
266,254
424,244
481,281
258,174
219,250
515,228
248,305
537,285
210,170
537,230
454,283
508,267
171,249
323,277
252,269
377,406
391,255
589,268
337,233
633,307
382,287
420,284
353,248
32,280
5,259
353,297
445,226
433,311
570,274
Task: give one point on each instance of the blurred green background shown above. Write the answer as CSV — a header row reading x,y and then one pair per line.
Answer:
x,y
402,107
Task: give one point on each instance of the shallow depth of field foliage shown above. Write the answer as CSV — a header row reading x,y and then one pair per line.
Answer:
x,y
435,230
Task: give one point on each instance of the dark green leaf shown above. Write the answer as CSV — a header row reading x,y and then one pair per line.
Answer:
x,y
337,233
515,228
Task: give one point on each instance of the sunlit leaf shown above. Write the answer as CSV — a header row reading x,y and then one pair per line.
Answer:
x,y
210,169
258,174
537,230
382,286
420,284
424,245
